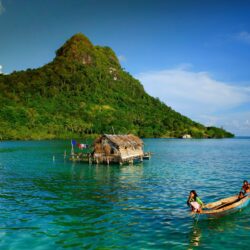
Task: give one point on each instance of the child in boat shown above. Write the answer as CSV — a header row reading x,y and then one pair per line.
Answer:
x,y
194,202
246,187
241,195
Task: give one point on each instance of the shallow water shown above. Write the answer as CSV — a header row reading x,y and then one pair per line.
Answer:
x,y
48,204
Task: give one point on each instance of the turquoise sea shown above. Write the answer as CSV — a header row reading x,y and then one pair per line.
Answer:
x,y
46,204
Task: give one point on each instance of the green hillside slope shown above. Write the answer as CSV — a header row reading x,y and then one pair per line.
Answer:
x,y
85,91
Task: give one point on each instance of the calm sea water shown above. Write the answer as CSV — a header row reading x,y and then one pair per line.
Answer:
x,y
46,204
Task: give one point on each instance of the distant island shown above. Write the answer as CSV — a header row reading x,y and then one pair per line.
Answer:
x,y
84,91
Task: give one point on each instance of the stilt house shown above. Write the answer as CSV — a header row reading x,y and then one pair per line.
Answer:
x,y
118,149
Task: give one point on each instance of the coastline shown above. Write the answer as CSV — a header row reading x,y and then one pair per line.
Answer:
x,y
93,136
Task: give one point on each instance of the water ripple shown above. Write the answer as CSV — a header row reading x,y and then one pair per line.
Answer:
x,y
49,204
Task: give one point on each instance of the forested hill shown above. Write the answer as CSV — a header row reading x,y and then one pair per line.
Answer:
x,y
85,91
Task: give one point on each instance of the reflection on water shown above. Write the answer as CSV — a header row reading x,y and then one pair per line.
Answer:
x,y
92,195
48,204
219,230
195,236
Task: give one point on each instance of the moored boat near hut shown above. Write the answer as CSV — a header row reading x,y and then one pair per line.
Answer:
x,y
118,149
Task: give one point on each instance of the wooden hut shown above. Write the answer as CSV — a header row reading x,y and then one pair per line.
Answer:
x,y
117,149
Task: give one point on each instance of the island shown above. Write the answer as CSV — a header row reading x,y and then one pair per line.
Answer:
x,y
85,92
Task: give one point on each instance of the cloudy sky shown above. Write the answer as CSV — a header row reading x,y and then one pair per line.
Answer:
x,y
192,54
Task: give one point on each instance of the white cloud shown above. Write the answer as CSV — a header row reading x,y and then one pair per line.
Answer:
x,y
195,94
2,9
238,123
182,88
243,36
1,67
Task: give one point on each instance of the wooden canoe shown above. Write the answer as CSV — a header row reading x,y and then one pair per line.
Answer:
x,y
223,207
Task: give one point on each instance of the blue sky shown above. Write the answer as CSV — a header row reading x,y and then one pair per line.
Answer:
x,y
193,55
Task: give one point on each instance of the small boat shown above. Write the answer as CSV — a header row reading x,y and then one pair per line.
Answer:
x,y
223,207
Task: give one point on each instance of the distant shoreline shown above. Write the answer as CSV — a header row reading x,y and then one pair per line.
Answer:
x,y
93,136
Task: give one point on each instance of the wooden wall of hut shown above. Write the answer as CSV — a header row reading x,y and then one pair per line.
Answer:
x,y
117,148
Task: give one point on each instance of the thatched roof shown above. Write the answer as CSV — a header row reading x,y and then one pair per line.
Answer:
x,y
124,140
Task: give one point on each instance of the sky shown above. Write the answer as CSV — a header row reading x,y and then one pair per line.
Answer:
x,y
192,54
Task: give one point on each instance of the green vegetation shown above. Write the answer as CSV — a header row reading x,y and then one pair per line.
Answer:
x,y
84,91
